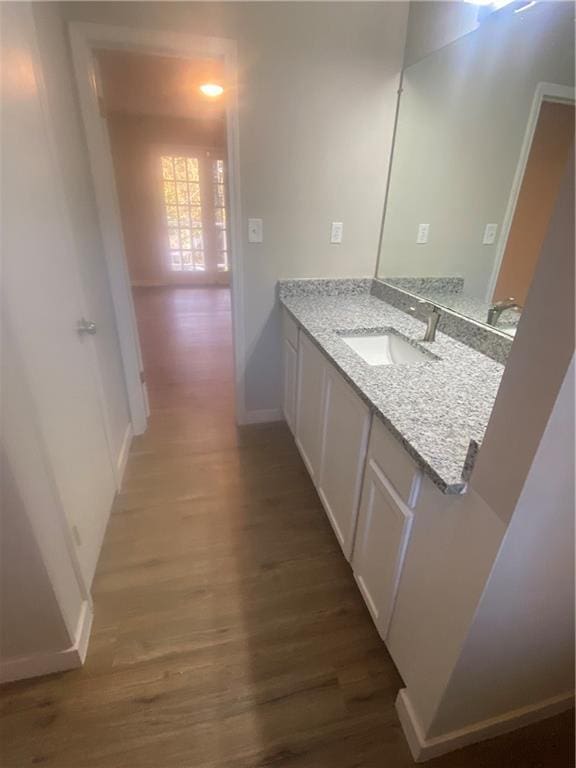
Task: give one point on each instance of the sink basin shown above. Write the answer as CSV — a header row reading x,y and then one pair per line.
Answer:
x,y
385,348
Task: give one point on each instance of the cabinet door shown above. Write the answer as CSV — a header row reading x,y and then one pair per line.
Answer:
x,y
290,358
383,529
311,367
345,435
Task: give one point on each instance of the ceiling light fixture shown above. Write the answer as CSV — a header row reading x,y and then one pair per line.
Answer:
x,y
212,90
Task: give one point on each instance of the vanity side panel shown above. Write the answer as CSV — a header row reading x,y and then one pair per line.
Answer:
x,y
452,547
520,647
310,404
290,379
290,369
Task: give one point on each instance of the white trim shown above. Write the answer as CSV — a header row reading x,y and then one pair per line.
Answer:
x,y
264,416
21,667
544,92
84,38
423,749
122,457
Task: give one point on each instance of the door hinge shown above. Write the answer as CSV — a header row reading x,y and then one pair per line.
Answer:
x,y
142,377
101,106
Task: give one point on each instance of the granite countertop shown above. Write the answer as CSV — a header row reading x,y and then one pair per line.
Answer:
x,y
435,408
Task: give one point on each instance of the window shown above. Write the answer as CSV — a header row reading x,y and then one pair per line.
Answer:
x,y
195,211
219,205
183,205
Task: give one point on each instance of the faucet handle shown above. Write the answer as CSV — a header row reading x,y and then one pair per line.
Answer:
x,y
431,318
505,303
423,304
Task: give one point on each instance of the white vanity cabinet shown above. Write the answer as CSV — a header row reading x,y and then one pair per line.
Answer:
x,y
346,424
332,427
290,366
367,487
390,489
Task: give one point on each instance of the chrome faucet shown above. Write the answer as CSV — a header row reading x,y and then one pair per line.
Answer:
x,y
500,306
432,316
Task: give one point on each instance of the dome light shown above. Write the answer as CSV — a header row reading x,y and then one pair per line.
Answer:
x,y
212,90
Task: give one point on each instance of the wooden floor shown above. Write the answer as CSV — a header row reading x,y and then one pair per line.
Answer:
x,y
228,628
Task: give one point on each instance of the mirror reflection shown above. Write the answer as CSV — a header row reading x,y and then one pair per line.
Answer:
x,y
485,132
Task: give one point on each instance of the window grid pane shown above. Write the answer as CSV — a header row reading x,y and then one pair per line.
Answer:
x,y
183,210
219,203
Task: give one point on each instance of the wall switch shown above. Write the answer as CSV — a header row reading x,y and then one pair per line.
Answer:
x,y
422,236
336,231
489,234
255,231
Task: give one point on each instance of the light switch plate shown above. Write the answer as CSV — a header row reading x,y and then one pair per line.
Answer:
x,y
489,234
255,231
422,236
336,231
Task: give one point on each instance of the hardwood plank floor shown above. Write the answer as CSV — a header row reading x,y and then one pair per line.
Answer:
x,y
228,632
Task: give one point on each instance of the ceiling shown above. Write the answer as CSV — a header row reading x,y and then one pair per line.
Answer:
x,y
145,84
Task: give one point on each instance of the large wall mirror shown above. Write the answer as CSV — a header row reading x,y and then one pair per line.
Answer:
x,y
484,135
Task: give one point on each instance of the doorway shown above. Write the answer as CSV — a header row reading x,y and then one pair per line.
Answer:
x,y
548,158
168,144
544,155
87,40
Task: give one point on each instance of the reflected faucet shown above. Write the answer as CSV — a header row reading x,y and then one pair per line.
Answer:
x,y
432,316
500,306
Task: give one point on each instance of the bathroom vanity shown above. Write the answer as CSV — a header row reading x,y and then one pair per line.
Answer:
x,y
384,426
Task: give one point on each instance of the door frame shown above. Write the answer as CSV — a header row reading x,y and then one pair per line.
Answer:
x,y
85,38
564,94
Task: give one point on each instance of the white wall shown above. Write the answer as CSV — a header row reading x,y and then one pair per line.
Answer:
x,y
317,88
483,621
71,152
453,544
463,114
432,25
41,596
522,636
31,618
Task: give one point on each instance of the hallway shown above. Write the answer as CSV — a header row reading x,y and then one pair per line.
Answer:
x,y
186,340
228,627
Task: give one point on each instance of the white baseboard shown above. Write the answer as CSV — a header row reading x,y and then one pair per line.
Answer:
x,y
260,417
425,749
123,453
22,667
